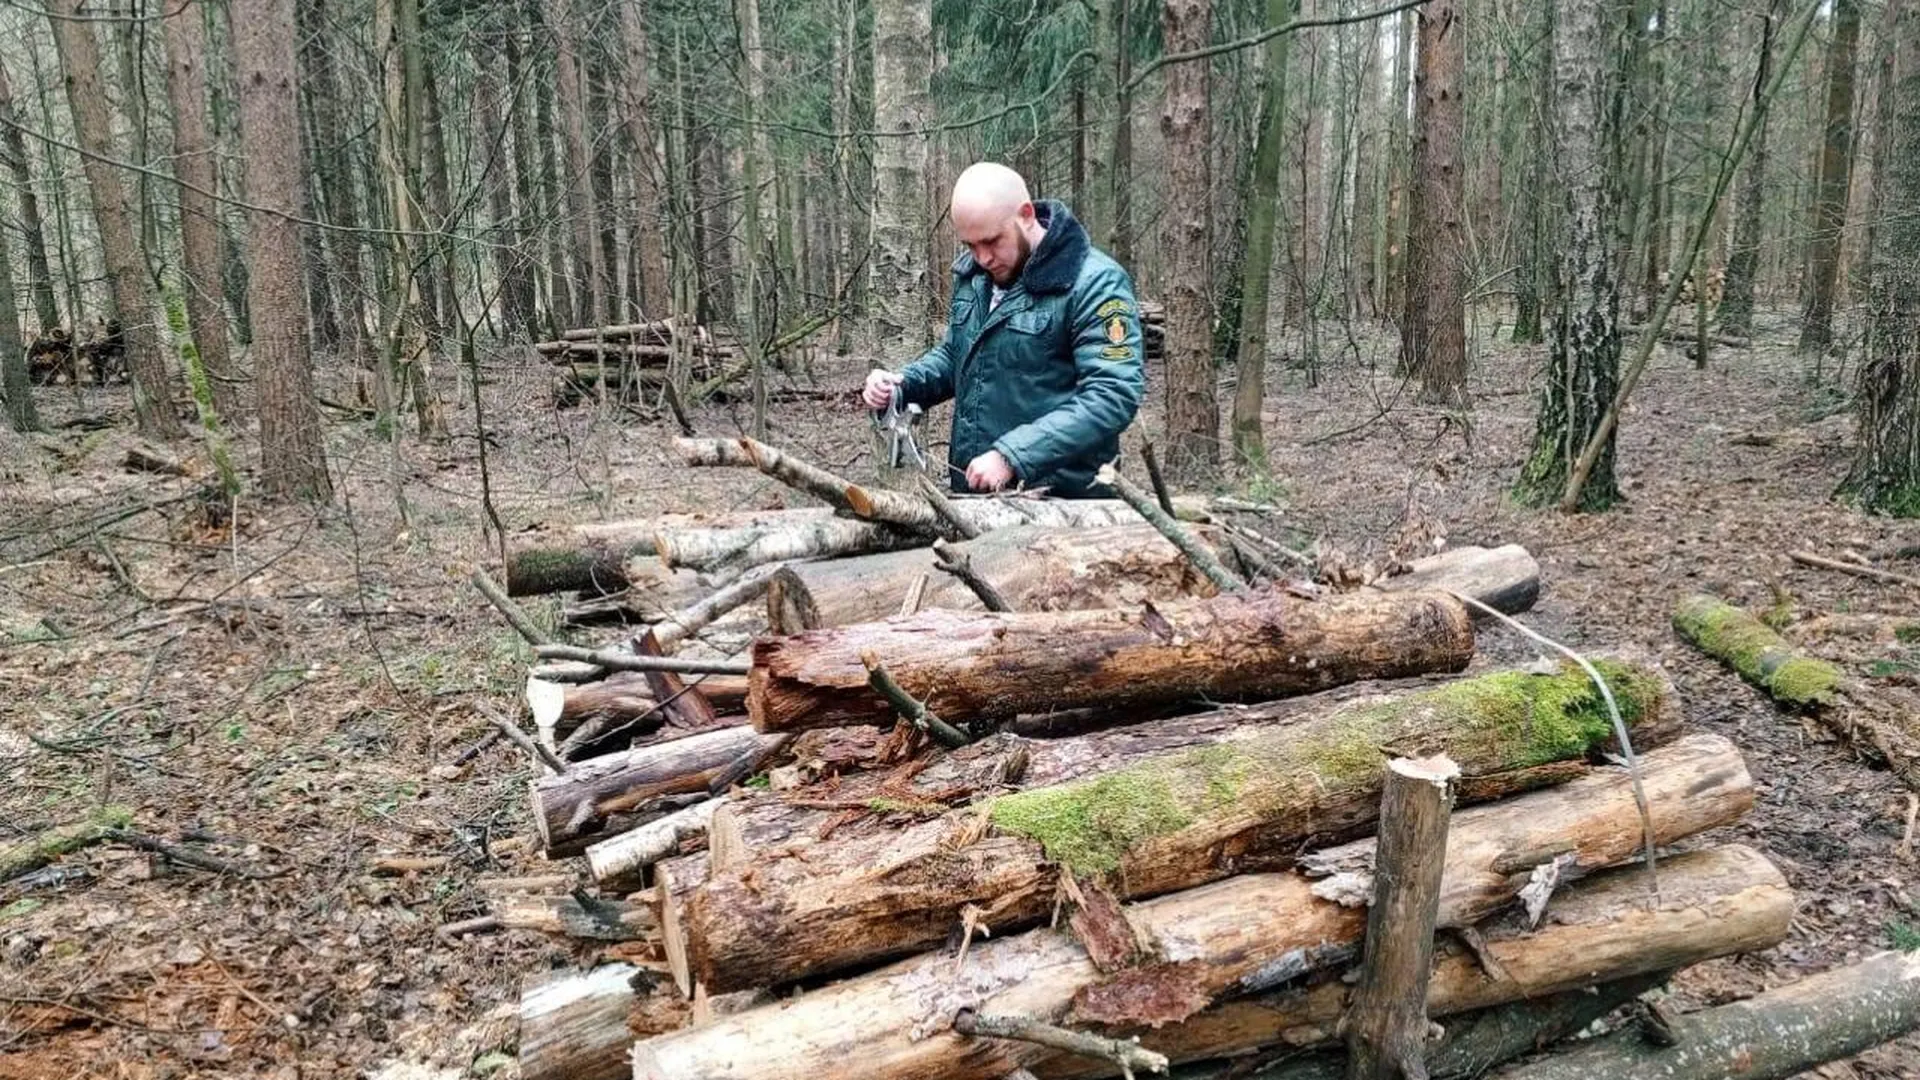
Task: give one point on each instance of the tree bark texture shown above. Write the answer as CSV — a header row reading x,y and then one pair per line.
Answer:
x,y
1830,189
292,452
193,167
1770,1036
1387,1022
16,385
133,298
1506,578
1034,567
649,224
897,284
1160,823
582,1026
624,696
1885,475
1433,336
1244,934
988,666
1743,262
595,556
1193,407
1583,360
1256,276
572,809
33,233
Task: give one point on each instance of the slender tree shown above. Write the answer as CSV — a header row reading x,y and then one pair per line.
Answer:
x,y
16,385
1193,407
1433,334
902,111
13,147
134,302
1886,468
1583,361
193,167
292,453
1836,166
1743,263
1263,206
646,172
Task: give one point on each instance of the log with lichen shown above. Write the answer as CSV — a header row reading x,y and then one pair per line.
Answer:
x,y
1248,934
1805,683
1164,822
36,850
971,667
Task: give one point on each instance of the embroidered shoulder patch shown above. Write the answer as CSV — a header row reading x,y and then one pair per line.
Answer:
x,y
1116,352
1117,329
1115,306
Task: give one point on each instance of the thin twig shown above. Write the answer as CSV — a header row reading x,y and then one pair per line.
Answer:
x,y
519,738
1196,552
186,856
1152,460
1808,558
1613,711
626,661
515,617
1126,1054
943,507
949,561
910,709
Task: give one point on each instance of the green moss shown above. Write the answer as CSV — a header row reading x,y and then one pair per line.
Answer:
x,y
1761,656
1907,633
915,807
1489,724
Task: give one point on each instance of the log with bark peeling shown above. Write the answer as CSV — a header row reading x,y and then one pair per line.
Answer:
x,y
571,810
1158,824
1778,1034
990,666
581,1026
1506,579
1240,935
1035,568
593,557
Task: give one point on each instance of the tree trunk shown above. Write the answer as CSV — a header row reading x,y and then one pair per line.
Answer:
x,y
13,146
647,174
572,809
1659,197
970,667
1161,823
193,167
596,556
1505,578
292,451
1246,933
897,281
1256,285
1583,363
524,273
1533,287
554,194
582,1026
1743,264
16,385
1035,568
1387,1021
1193,408
1120,179
134,304
1770,1036
1885,476
1830,191
583,210
1433,339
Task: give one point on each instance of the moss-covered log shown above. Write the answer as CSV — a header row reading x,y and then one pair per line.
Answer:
x,y
988,666
1808,684
1770,1036
1244,934
33,852
1153,825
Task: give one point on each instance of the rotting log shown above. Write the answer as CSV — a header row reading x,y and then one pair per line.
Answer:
x,y
593,557
1777,1034
987,666
1162,823
1801,682
571,810
1387,1022
33,852
1034,568
1506,579
1470,1045
569,916
581,1026
1244,934
674,881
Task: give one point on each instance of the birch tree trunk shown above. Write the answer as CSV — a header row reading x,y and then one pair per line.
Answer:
x,y
1193,408
186,44
133,298
292,453
1583,363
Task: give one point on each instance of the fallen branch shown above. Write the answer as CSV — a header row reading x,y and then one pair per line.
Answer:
x,y
1204,560
1126,1054
910,709
949,561
519,738
516,618
943,506
689,621
1808,558
615,660
34,852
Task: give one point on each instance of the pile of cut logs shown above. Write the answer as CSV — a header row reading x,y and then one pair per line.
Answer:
x,y
633,357
1062,789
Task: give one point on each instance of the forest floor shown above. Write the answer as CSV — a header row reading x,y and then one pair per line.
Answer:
x,y
292,689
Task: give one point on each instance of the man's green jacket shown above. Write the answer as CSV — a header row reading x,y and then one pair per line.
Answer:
x,y
1050,376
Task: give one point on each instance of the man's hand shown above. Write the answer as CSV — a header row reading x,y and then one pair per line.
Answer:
x,y
880,388
989,472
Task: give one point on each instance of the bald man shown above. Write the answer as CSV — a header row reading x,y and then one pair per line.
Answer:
x,y
1042,353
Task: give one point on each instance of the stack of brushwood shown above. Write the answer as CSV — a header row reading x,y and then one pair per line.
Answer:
x,y
634,357
1113,803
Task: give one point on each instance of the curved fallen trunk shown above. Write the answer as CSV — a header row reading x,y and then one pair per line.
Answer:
x,y
987,666
1240,935
1166,822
